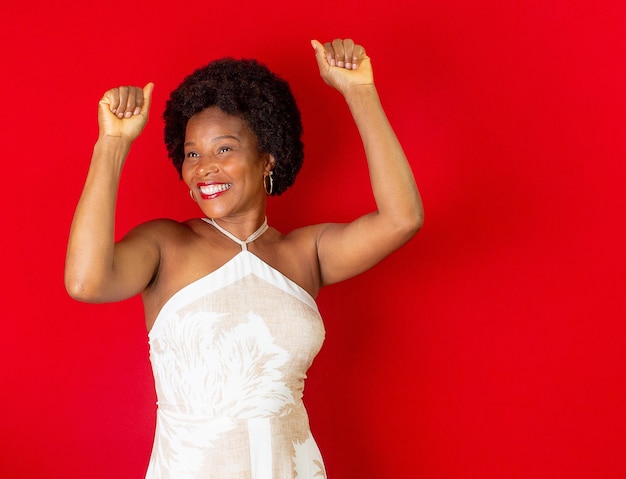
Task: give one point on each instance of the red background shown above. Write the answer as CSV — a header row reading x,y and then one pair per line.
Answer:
x,y
491,346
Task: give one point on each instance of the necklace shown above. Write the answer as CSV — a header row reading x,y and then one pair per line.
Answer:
x,y
244,243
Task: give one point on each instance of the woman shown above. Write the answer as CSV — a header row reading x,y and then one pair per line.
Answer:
x,y
228,300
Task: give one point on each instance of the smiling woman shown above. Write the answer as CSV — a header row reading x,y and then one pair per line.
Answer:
x,y
222,156
229,301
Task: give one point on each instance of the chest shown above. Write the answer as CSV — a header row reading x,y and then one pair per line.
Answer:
x,y
194,258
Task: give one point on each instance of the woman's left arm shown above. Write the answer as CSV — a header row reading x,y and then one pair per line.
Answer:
x,y
346,250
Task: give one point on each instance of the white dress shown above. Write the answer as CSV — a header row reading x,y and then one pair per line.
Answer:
x,y
229,354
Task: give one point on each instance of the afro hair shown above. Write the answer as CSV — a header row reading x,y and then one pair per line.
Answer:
x,y
249,90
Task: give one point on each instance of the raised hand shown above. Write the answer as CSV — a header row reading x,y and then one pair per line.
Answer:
x,y
343,64
123,111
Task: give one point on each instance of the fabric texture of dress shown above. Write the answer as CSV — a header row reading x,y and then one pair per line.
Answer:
x,y
229,354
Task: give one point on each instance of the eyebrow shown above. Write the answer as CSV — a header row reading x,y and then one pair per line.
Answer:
x,y
217,138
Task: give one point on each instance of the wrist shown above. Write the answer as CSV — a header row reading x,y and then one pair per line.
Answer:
x,y
361,96
360,92
110,151
113,144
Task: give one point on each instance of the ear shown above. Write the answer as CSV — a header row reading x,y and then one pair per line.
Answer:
x,y
270,162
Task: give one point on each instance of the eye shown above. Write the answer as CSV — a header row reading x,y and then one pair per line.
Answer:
x,y
192,154
224,149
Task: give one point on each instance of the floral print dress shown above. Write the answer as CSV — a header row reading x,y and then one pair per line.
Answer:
x,y
229,354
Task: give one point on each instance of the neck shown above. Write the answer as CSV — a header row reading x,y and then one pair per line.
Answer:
x,y
241,228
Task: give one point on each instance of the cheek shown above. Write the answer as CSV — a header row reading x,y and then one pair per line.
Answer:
x,y
258,166
186,173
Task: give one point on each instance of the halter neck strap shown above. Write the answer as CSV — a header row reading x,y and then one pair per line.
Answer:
x,y
243,243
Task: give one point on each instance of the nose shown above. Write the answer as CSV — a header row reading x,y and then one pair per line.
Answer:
x,y
206,166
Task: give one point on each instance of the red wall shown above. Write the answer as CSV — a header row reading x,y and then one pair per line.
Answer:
x,y
491,346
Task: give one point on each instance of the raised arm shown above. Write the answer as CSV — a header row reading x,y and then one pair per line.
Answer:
x,y
96,269
345,250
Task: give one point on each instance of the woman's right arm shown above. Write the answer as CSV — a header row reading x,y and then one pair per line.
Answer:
x,y
96,268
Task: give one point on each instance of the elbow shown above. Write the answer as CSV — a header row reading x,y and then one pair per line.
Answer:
x,y
76,291
408,217
416,221
408,226
80,290
414,225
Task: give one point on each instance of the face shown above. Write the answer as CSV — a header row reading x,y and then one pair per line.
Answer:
x,y
223,166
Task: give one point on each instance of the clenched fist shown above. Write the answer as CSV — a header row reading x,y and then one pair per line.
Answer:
x,y
123,111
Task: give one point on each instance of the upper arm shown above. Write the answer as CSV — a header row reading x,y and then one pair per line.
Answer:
x,y
136,260
346,250
134,263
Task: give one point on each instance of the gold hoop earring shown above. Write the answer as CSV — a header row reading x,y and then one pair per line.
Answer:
x,y
271,188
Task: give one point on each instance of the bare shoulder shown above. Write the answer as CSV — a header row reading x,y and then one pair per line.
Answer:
x,y
163,231
307,235
307,238
155,241
162,226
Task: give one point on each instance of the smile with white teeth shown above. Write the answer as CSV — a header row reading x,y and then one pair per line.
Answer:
x,y
209,190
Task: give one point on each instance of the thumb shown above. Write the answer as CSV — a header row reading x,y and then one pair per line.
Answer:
x,y
147,96
320,55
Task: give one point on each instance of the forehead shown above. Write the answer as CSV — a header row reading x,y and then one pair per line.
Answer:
x,y
213,121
